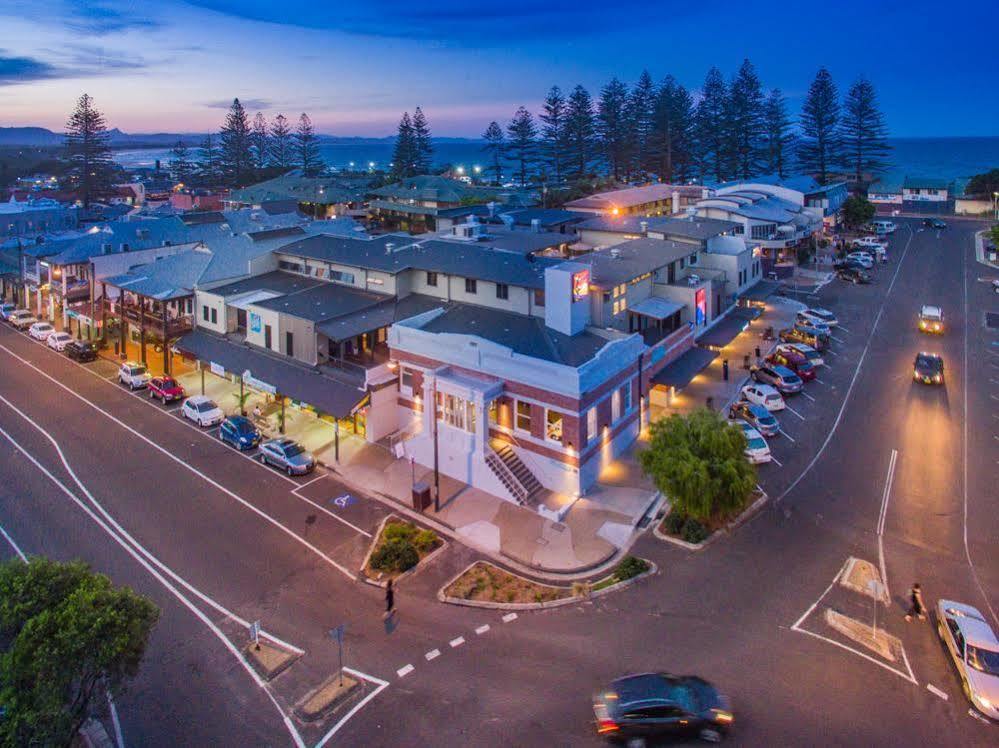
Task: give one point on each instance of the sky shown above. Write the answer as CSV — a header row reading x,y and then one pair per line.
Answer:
x,y
175,65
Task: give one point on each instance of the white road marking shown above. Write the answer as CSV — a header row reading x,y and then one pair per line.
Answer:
x,y
457,642
404,671
812,607
838,340
880,529
785,434
806,396
889,668
381,686
776,461
119,738
818,381
509,617
433,654
840,327
792,410
482,629
937,692
308,483
14,545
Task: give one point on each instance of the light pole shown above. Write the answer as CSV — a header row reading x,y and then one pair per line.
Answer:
x,y
995,205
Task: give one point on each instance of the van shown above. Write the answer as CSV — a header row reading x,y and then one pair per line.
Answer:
x,y
881,226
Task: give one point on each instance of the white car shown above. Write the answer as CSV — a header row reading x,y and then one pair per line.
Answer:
x,y
818,317
6,308
813,356
203,411
763,394
134,375
869,242
57,340
931,319
22,319
757,450
41,330
974,648
862,258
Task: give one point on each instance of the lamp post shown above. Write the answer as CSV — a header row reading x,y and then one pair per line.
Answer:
x,y
995,205
437,472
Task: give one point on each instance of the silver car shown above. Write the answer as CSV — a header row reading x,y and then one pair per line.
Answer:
x,y
975,650
288,455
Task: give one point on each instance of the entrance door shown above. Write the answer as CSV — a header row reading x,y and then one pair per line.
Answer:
x,y
267,336
241,321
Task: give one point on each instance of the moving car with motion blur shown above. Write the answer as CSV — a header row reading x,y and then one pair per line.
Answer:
x,y
855,275
653,706
288,455
756,416
928,368
931,319
934,223
974,650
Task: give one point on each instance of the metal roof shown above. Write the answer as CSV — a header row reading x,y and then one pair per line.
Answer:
x,y
628,260
656,307
679,373
323,301
375,317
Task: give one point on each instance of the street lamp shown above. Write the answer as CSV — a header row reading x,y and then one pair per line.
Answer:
x,y
995,205
461,170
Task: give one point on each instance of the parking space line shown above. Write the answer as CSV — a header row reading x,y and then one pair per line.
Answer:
x,y
818,381
482,629
308,483
840,327
786,434
774,459
433,654
509,617
838,340
457,642
807,396
404,671
792,410
937,692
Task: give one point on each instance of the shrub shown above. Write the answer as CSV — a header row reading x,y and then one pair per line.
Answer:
x,y
673,523
631,566
395,555
425,540
693,531
398,531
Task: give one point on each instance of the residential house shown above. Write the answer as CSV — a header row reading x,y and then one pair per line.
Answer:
x,y
318,197
648,200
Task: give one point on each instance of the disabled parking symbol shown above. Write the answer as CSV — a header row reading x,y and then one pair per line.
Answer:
x,y
344,501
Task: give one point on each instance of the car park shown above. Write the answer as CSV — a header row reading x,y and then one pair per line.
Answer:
x,y
81,350
202,410
855,275
22,319
166,389
928,368
41,330
785,380
805,350
762,394
974,650
756,416
757,450
794,361
288,455
134,375
794,335
6,308
934,223
57,341
240,432
865,260
649,707
818,316
931,319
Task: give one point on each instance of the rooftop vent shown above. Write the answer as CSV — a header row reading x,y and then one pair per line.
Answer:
x,y
536,225
615,252
389,247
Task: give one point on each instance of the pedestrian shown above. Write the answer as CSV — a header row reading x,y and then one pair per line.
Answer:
x,y
256,412
389,599
916,607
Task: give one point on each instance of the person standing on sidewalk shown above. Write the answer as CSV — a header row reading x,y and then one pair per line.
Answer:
x,y
916,607
389,599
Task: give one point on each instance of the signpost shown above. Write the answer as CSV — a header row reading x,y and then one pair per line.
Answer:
x,y
255,634
877,591
337,636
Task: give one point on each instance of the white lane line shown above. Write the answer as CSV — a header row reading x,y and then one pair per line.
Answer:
x,y
838,340
119,738
509,617
14,545
880,528
260,682
797,624
789,408
381,686
788,437
807,396
840,327
937,692
308,483
457,642
482,629
776,461
889,668
404,671
195,471
818,381
433,654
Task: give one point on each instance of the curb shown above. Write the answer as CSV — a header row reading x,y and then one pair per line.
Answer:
x,y
560,603
421,564
736,523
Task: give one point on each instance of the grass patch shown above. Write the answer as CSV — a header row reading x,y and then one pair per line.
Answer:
x,y
399,547
487,583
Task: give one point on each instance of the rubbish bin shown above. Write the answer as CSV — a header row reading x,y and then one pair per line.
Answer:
x,y
421,496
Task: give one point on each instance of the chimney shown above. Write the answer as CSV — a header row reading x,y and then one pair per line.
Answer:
x,y
536,225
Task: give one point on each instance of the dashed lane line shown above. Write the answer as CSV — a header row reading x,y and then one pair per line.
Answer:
x,y
404,671
509,617
433,654
936,691
457,642
482,629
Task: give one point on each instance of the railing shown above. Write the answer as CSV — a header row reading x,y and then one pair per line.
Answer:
x,y
153,320
506,476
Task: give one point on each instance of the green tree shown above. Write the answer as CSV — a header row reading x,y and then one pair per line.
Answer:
x,y
711,127
857,210
777,134
819,147
496,148
523,142
553,141
404,156
612,126
422,142
234,156
984,185
745,122
698,462
640,113
71,637
306,145
180,163
280,154
208,160
671,142
580,133
863,132
259,141
88,150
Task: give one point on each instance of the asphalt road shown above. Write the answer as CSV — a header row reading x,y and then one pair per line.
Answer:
x,y
872,466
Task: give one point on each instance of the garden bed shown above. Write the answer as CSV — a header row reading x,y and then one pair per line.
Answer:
x,y
398,548
695,533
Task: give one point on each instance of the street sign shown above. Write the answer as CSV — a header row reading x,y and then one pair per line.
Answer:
x,y
216,369
255,632
337,633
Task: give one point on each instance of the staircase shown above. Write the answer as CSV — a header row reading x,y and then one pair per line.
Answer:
x,y
512,472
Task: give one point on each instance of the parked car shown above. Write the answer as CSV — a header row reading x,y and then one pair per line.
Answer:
x,y
794,335
202,410
6,308
756,416
81,350
818,316
863,259
854,275
763,394
934,223
805,350
796,362
57,341
931,319
134,375
288,455
811,328
41,330
22,319
166,389
974,650
652,706
785,380
757,450
240,432
869,243
928,368
882,226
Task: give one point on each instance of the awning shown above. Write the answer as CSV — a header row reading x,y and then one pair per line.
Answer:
x,y
680,372
725,331
656,308
760,291
309,386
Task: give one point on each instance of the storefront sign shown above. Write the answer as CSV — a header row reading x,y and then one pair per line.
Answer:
x,y
254,322
258,384
217,369
580,285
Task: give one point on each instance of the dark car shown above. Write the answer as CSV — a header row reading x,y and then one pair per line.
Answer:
x,y
240,432
780,377
794,335
928,368
81,350
756,416
796,362
166,389
854,275
652,706
934,223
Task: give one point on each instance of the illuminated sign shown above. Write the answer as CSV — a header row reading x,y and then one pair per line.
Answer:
x,y
701,302
580,285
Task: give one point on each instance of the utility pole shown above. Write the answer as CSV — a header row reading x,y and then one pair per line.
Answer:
x,y
437,472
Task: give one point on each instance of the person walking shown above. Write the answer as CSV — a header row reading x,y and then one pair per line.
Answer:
x,y
916,607
389,599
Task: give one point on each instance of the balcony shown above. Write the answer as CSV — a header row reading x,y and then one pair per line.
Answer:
x,y
175,325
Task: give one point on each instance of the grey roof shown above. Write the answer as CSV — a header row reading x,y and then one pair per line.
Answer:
x,y
276,281
167,278
522,242
410,208
428,187
547,216
628,260
525,335
933,183
381,315
728,328
697,228
306,384
297,188
656,307
323,301
756,205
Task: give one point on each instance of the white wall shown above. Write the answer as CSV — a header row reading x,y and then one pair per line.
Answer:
x,y
204,299
267,317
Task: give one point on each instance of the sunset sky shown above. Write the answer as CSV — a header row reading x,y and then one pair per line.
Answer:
x,y
173,65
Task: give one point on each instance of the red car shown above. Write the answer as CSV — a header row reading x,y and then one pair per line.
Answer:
x,y
796,362
166,389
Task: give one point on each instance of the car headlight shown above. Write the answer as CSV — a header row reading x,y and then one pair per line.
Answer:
x,y
923,324
915,374
982,701
936,378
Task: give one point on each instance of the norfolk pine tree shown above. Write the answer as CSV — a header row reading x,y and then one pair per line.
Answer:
x,y
819,146
422,144
496,148
88,149
522,148
280,154
404,155
235,156
553,143
306,146
863,132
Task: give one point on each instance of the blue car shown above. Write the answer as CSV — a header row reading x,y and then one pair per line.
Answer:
x,y
240,432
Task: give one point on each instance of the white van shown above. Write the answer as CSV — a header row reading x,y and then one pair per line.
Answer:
x,y
881,226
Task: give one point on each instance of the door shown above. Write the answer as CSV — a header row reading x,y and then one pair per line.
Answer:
x,y
241,320
267,336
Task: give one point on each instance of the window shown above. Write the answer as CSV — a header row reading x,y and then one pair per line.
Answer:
x,y
523,416
539,297
502,291
693,259
617,308
624,303
553,426
215,316
294,267
204,312
591,424
340,276
683,263
471,285
190,306
615,406
456,412
289,343
617,291
625,390
406,379
431,279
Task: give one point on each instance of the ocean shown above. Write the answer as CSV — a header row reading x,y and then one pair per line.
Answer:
x,y
949,158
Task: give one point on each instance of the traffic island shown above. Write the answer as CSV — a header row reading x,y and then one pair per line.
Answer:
x,y
323,700
864,634
269,660
398,549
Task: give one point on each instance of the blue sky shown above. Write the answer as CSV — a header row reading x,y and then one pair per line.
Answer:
x,y
173,65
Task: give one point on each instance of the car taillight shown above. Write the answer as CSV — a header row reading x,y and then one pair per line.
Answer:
x,y
605,726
